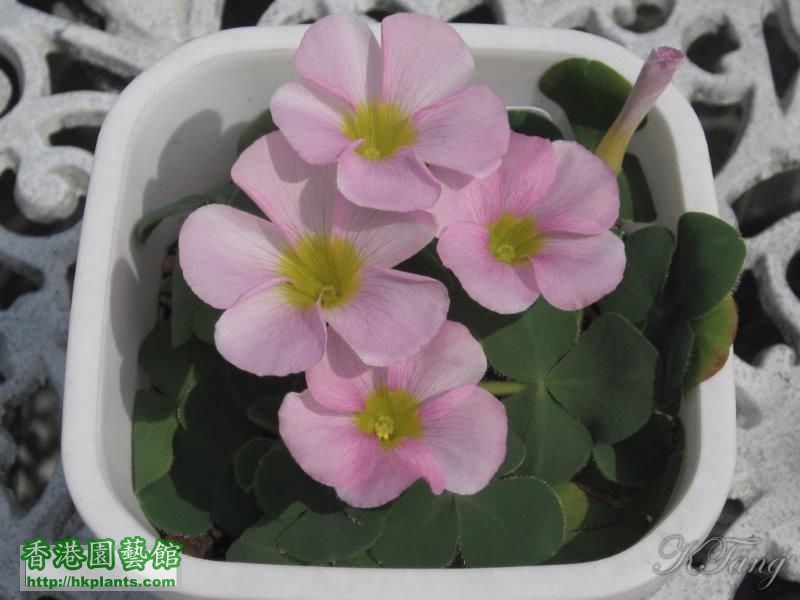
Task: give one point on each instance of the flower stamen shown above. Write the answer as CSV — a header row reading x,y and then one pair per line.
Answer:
x,y
513,240
384,127
321,269
390,415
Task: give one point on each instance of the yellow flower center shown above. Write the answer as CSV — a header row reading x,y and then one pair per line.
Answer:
x,y
513,240
383,126
321,269
391,416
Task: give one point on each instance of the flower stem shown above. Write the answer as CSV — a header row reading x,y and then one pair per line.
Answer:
x,y
502,388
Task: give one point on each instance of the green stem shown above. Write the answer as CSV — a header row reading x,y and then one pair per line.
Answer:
x,y
502,388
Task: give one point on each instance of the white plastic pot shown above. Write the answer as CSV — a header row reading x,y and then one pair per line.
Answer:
x,y
172,133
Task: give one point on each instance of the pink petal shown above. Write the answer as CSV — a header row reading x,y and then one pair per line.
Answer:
x,y
327,445
392,315
264,335
465,430
653,79
340,55
225,252
340,381
418,458
296,196
584,197
467,132
389,478
527,173
424,61
574,271
398,183
500,287
480,202
451,359
450,178
311,122
383,238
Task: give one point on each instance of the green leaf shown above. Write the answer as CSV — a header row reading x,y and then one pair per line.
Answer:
x,y
184,303
606,380
515,454
327,537
280,482
648,254
526,348
148,222
596,543
533,123
168,510
204,321
589,92
673,339
259,543
360,560
196,469
714,333
174,371
637,460
261,125
215,420
574,506
247,459
154,423
510,522
556,444
635,198
249,390
708,258
420,530
264,413
654,499
232,509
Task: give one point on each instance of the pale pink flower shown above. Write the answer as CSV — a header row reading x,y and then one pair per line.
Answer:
x,y
387,112
319,259
372,432
653,79
538,226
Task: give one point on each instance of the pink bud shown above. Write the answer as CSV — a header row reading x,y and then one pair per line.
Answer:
x,y
654,77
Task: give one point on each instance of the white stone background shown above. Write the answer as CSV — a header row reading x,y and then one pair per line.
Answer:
x,y
62,63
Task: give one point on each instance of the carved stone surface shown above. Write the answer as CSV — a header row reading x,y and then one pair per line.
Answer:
x,y
62,62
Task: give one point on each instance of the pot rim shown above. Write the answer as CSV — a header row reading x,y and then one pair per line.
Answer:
x,y
627,574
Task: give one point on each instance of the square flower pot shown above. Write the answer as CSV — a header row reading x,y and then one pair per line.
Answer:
x,y
173,132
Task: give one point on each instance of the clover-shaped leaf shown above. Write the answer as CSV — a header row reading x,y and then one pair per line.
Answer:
x,y
516,521
556,444
606,380
325,537
713,335
212,418
637,460
154,423
705,266
259,543
232,509
247,459
533,123
420,530
648,255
